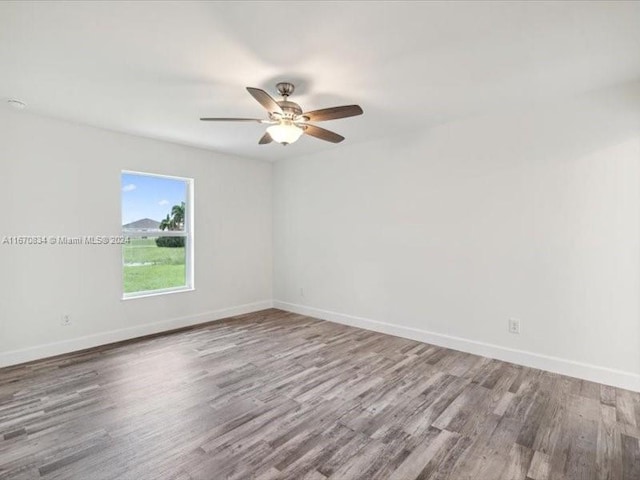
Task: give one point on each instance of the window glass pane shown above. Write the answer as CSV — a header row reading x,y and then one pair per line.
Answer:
x,y
152,203
154,214
153,264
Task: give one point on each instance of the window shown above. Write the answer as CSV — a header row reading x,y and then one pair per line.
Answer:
x,y
157,256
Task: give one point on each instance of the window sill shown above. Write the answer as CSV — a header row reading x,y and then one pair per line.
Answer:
x,y
155,293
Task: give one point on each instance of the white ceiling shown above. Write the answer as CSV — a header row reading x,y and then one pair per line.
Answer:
x,y
154,68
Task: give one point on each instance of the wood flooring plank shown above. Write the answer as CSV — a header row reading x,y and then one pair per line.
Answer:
x,y
417,461
539,467
630,458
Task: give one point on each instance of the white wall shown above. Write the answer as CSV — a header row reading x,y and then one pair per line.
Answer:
x,y
445,233
60,178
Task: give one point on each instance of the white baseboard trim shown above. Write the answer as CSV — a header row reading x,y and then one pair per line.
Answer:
x,y
15,357
585,371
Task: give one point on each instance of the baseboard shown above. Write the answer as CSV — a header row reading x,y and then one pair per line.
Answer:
x,y
15,357
594,373
585,371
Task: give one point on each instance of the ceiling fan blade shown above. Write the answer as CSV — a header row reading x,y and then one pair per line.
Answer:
x,y
333,113
266,138
232,120
265,100
323,134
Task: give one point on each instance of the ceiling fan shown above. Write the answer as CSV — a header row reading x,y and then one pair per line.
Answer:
x,y
287,120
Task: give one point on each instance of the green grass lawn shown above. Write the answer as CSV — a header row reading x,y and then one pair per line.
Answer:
x,y
148,267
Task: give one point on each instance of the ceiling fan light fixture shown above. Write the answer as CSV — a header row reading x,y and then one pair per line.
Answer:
x,y
289,121
285,132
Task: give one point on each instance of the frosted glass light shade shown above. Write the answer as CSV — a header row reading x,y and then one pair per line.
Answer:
x,y
285,132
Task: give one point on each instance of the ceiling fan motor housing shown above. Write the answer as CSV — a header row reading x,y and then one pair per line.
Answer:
x,y
290,109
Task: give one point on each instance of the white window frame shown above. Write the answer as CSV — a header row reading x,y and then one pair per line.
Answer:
x,y
187,233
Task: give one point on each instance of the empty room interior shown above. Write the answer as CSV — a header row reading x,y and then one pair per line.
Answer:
x,y
374,240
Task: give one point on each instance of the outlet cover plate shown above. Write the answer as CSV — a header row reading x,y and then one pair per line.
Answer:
x,y
514,326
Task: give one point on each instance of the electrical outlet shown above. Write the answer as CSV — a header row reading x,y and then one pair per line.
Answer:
x,y
301,292
514,326
65,321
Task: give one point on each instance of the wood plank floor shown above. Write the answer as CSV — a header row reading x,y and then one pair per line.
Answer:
x,y
273,395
